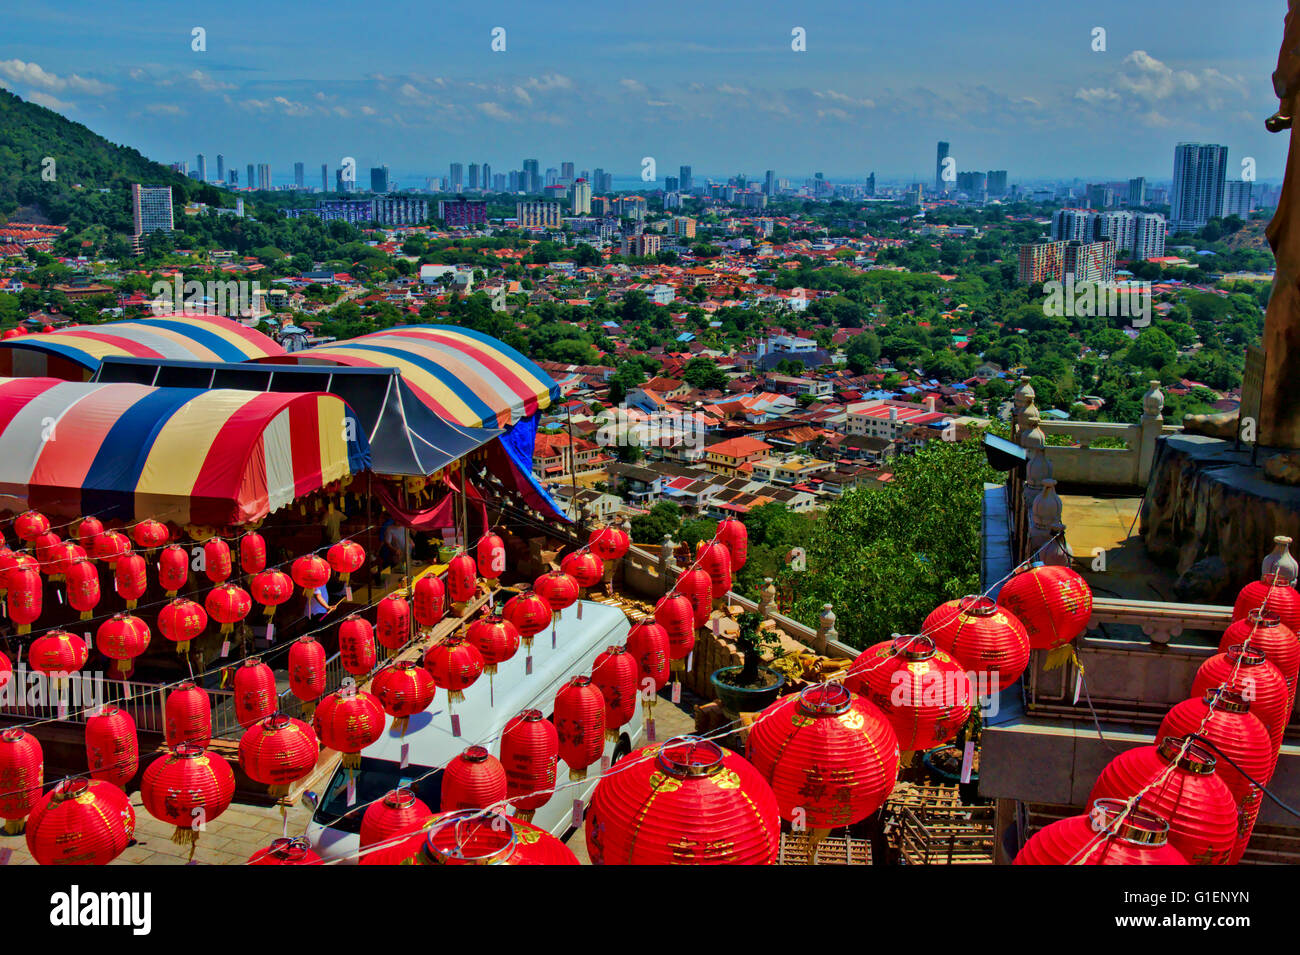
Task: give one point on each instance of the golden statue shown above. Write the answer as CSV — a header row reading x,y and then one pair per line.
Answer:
x,y
1279,407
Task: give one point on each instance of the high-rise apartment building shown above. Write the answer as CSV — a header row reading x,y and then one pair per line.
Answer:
x,y
870,187
324,177
1200,170
201,164
462,213
252,178
940,157
151,208
1238,198
1041,262
997,182
264,175
538,215
474,171
581,197
683,226
1137,192
401,210
221,168
683,176
647,243
532,179
485,177
299,174
1090,261
1136,235
671,184
456,177
769,183
566,173
379,179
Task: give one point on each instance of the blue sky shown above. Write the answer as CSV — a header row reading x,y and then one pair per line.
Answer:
x,y
1011,84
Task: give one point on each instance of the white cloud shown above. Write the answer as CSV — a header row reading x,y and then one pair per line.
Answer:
x,y
495,111
51,102
33,76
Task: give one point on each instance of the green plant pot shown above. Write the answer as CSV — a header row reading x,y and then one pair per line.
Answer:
x,y
736,699
445,553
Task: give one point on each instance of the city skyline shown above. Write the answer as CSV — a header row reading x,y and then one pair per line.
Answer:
x,y
606,90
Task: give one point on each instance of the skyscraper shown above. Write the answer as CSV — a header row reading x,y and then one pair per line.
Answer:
x,y
941,156
997,182
769,183
221,168
684,178
324,177
1137,192
871,184
473,176
532,179
456,176
581,198
1199,173
566,172
485,178
298,175
1238,198
151,208
379,179
202,166
252,182
264,175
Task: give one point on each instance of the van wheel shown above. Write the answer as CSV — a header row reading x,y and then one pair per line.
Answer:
x,y
621,748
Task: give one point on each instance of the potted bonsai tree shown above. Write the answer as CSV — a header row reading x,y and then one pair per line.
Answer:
x,y
751,686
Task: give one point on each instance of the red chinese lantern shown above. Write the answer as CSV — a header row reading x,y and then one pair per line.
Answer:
x,y
110,546
925,694
149,535
218,564
1053,602
310,572
695,584
461,582
715,560
80,822
356,646
173,569
23,600
88,528
270,588
228,604
130,578
1280,599
122,638
828,755
530,613
584,567
30,525
1266,633
609,543
61,557
254,692
530,750
1223,718
495,638
57,653
181,621
473,837
348,722
6,670
1200,809
986,639
473,780
558,589
455,664
616,674
1106,836
252,553
734,536
307,670
579,717
82,577
22,776
399,813
403,689
393,619
429,600
188,716
648,644
187,787
43,547
277,751
491,552
112,749
1260,683
677,617
688,802
345,558
286,851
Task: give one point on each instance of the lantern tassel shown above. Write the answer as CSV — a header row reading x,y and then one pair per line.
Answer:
x,y
905,758
525,815
576,773
182,648
400,723
352,760
184,835
13,826
815,837
1059,657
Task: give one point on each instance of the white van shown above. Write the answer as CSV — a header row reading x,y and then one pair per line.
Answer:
x,y
335,831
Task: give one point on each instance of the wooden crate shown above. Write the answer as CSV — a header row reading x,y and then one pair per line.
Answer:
x,y
947,835
833,850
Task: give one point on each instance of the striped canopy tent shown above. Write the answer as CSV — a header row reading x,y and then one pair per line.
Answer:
x,y
73,353
464,376
211,457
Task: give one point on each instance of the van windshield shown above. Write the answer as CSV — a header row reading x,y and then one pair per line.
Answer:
x,y
375,778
